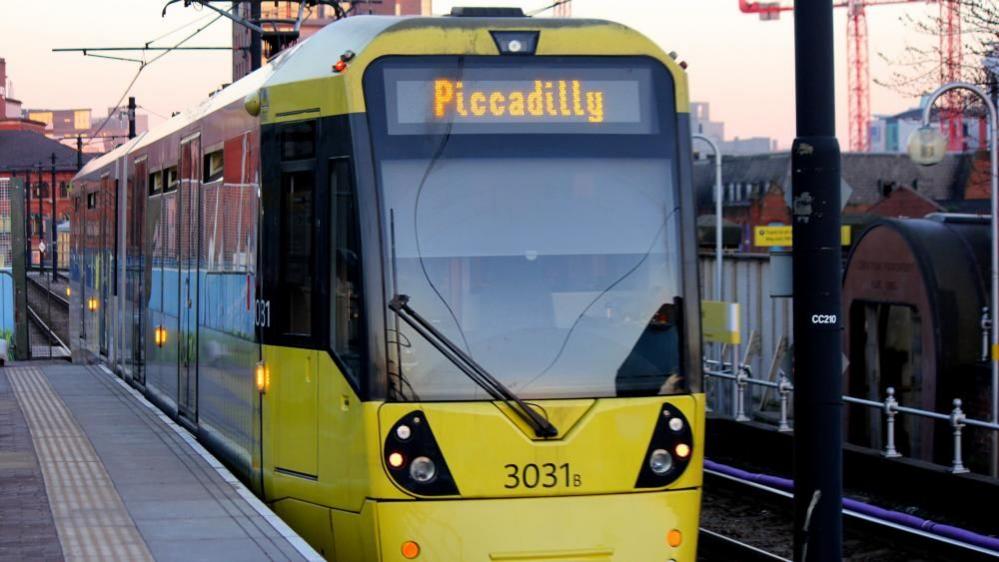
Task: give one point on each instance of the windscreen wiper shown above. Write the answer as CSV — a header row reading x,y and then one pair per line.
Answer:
x,y
542,427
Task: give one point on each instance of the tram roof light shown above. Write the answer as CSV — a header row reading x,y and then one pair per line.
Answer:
x,y
340,66
516,42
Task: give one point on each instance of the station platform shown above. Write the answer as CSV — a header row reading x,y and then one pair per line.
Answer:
x,y
91,471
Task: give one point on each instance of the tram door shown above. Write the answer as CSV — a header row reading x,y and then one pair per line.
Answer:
x,y
188,245
105,210
135,265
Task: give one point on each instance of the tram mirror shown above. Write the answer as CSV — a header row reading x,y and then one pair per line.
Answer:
x,y
927,146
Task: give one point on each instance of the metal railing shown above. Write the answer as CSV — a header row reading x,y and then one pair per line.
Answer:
x,y
743,380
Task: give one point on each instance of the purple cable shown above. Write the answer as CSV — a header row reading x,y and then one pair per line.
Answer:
x,y
904,519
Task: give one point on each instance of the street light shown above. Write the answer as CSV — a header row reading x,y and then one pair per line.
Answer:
x,y
927,146
718,215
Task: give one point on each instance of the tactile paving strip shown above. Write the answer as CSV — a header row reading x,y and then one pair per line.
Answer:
x,y
90,517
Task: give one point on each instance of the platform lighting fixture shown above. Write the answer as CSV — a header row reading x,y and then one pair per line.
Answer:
x,y
719,195
927,146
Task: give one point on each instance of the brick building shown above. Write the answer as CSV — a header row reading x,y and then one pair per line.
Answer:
x,y
27,154
316,18
756,189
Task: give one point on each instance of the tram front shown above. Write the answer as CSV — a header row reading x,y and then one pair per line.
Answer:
x,y
541,328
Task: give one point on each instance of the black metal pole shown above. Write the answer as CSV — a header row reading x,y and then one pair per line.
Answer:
x,y
54,237
79,153
41,223
815,188
27,219
131,117
256,40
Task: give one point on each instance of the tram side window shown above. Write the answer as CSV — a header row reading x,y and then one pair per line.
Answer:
x,y
170,179
155,183
213,166
296,250
345,316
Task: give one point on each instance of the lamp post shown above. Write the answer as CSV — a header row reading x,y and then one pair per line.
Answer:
x,y
925,148
718,215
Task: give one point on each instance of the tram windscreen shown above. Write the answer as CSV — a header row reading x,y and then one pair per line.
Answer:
x,y
551,257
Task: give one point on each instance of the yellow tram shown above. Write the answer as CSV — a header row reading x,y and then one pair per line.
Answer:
x,y
427,285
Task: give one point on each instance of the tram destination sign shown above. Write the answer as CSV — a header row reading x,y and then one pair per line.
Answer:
x,y
537,101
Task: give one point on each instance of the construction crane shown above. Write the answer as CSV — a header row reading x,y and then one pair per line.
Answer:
x,y
858,78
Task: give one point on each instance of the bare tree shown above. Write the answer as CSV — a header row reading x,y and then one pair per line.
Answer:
x,y
919,69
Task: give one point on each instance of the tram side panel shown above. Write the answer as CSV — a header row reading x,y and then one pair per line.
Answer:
x,y
227,348
161,363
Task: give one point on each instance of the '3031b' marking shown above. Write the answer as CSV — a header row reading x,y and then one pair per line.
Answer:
x,y
547,475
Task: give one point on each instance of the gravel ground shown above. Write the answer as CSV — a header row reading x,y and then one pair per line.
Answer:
x,y
727,510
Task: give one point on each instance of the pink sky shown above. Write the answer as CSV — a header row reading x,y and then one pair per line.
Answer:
x,y
742,66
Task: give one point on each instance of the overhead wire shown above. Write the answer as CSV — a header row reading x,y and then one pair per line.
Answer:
x,y
144,64
548,7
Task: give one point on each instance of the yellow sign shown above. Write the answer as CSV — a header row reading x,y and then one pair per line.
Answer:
x,y
553,98
720,322
781,236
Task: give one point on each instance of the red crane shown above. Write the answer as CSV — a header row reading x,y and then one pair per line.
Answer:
x,y
858,80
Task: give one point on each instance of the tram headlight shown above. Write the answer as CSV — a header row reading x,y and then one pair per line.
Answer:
x,y
414,460
660,461
670,450
422,469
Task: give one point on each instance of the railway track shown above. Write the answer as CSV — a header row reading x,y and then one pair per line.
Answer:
x,y
48,314
744,520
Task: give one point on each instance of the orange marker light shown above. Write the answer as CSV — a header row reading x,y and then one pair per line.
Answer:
x,y
674,538
395,461
159,336
683,450
262,378
410,550
340,66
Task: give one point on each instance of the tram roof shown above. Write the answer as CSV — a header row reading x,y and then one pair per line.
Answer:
x,y
311,60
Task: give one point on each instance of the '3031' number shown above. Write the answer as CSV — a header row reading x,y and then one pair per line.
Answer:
x,y
547,475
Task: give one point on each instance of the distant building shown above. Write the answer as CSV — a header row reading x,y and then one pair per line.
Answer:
x,y
66,124
10,108
756,188
27,155
701,124
316,18
890,133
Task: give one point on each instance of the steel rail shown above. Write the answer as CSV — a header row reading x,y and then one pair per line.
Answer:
x,y
881,525
734,549
37,319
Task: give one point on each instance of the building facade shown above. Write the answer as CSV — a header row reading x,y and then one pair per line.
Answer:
x,y
890,133
701,124
65,125
27,155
